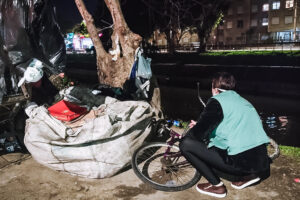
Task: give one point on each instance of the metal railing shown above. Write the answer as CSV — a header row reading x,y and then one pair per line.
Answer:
x,y
270,46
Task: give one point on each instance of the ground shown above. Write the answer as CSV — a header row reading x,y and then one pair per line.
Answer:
x,y
21,177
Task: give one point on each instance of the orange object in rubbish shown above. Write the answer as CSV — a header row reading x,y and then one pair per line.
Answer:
x,y
66,111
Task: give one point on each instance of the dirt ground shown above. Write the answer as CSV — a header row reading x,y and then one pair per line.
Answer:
x,y
24,178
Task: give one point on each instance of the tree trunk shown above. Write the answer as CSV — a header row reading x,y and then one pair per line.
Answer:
x,y
113,67
202,39
170,42
202,47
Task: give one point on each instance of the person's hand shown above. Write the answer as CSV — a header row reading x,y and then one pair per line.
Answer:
x,y
192,124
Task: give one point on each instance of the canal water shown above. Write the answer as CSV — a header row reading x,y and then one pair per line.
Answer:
x,y
280,116
274,91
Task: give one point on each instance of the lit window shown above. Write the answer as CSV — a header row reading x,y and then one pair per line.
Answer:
x,y
265,7
288,19
289,3
275,20
240,10
254,8
265,21
264,37
276,5
254,22
229,24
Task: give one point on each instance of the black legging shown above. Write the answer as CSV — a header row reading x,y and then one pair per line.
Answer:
x,y
205,159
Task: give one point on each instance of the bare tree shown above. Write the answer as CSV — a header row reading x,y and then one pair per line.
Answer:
x,y
209,11
113,66
168,16
176,16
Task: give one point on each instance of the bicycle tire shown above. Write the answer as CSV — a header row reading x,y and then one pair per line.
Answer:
x,y
143,162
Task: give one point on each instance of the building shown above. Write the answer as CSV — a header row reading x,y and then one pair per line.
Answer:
x,y
258,28
245,22
284,20
250,22
258,21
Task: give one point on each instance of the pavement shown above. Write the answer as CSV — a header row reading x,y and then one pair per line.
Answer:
x,y
21,177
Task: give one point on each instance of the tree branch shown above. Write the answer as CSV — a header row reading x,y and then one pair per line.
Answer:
x,y
91,28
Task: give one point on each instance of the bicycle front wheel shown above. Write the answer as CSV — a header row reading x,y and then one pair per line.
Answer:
x,y
164,169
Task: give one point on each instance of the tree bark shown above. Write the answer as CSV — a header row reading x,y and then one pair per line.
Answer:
x,y
113,67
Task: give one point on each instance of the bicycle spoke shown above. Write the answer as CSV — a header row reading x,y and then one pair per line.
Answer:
x,y
164,169
181,177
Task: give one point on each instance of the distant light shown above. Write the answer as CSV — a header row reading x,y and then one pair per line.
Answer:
x,y
100,34
70,35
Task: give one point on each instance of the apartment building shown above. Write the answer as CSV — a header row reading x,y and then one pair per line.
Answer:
x,y
245,22
284,20
251,22
259,21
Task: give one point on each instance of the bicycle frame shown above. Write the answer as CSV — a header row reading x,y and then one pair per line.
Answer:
x,y
175,137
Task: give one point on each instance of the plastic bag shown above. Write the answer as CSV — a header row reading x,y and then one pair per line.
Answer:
x,y
82,96
28,29
143,66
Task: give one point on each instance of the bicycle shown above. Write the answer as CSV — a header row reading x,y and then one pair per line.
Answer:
x,y
158,163
161,165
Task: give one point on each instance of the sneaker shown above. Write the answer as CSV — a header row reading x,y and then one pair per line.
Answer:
x,y
244,183
212,190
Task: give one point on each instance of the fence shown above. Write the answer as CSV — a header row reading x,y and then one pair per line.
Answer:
x,y
274,46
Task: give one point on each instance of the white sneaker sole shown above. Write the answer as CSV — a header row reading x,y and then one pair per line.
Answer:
x,y
211,194
246,184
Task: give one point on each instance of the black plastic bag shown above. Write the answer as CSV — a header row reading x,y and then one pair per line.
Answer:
x,y
28,29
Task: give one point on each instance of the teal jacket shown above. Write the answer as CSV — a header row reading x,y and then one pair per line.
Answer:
x,y
241,128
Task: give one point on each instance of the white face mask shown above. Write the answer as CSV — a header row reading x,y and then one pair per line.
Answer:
x,y
215,91
222,90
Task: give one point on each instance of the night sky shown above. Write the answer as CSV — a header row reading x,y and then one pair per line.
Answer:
x,y
68,14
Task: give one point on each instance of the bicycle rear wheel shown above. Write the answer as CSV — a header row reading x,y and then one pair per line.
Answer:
x,y
166,172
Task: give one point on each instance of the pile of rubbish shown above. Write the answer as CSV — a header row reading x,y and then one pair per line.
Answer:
x,y
77,130
90,142
28,29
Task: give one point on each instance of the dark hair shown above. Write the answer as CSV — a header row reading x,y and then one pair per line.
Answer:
x,y
223,80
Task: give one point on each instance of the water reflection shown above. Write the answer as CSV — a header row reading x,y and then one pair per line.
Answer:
x,y
284,129
280,116
271,122
275,123
283,123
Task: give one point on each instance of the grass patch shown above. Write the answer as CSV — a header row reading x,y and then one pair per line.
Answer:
x,y
253,53
290,151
